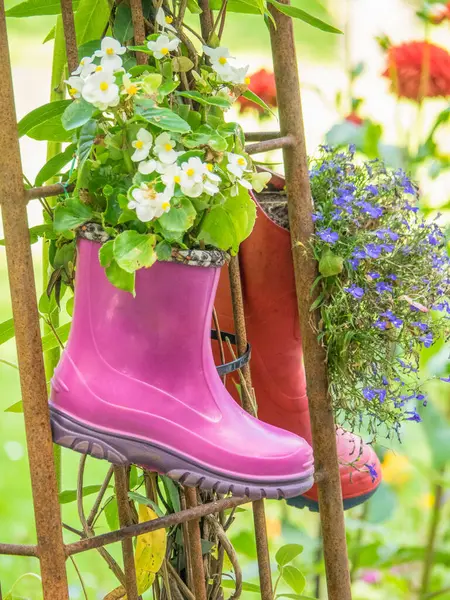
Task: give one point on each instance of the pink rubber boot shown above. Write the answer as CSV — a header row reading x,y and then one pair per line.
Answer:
x,y
137,384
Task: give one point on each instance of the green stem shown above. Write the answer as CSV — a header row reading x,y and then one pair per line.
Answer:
x,y
431,541
57,92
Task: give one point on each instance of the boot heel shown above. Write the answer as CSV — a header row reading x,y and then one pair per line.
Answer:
x,y
70,434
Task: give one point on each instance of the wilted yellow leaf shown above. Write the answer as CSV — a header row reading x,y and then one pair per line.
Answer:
x,y
150,551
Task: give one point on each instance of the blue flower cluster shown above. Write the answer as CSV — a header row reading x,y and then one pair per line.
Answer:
x,y
380,310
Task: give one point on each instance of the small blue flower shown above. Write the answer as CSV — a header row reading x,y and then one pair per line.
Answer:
x,y
387,247
372,189
414,416
421,326
382,233
369,393
381,324
372,471
427,339
373,250
445,379
358,253
374,275
381,287
375,212
385,381
354,263
355,291
392,277
317,217
326,235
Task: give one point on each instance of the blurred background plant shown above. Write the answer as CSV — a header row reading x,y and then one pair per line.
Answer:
x,y
383,86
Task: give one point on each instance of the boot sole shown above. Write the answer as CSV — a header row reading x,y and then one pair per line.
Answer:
x,y
122,450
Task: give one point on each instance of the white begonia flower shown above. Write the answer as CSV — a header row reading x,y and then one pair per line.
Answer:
x,y
220,61
76,85
164,149
142,145
164,21
101,90
210,180
148,203
129,88
171,175
85,68
237,164
146,167
110,51
162,46
192,173
238,75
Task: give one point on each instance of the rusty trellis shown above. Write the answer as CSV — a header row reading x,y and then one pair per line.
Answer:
x,y
50,549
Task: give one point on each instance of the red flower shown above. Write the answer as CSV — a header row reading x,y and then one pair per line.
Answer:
x,y
354,118
262,83
418,70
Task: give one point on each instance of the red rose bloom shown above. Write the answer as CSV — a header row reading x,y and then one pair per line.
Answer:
x,y
418,70
354,118
262,83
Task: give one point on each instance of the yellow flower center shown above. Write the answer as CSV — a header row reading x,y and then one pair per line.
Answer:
x,y
223,60
190,172
167,147
241,162
139,144
247,81
82,63
164,51
73,91
165,205
132,90
177,179
98,69
150,193
104,86
109,51
169,19
209,167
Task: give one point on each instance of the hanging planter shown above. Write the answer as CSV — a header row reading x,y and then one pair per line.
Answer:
x,y
161,195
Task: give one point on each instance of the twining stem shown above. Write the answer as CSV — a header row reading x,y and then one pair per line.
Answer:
x,y
431,540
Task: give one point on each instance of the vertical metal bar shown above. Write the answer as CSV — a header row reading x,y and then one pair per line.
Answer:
x,y
195,548
28,340
305,267
139,29
69,34
259,516
122,483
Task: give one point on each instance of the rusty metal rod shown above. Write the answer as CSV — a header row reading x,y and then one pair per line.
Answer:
x,y
28,340
195,548
305,268
139,29
261,136
183,516
69,34
121,478
259,516
45,191
18,550
272,144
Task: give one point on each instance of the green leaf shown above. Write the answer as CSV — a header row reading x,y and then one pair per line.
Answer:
x,y
146,502
330,264
163,118
287,553
257,100
194,7
50,341
182,64
42,115
54,165
17,407
6,331
298,13
123,24
71,495
249,7
294,578
242,211
112,514
106,253
437,432
133,250
77,114
163,250
37,8
85,142
50,35
219,101
70,215
180,218
120,278
88,48
383,509
217,230
172,492
91,19
246,587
